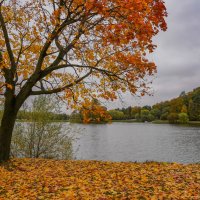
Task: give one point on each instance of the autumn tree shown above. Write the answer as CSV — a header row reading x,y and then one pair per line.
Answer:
x,y
194,105
94,112
82,49
135,110
184,109
91,112
173,118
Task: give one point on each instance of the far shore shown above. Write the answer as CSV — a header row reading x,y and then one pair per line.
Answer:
x,y
190,123
194,123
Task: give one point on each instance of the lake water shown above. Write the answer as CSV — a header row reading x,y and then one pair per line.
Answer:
x,y
138,142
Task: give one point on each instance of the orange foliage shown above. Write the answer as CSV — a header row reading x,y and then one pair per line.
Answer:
x,y
85,49
95,114
47,179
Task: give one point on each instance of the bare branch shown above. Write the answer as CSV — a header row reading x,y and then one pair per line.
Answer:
x,y
61,88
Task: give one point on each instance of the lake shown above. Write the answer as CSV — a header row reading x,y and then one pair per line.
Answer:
x,y
138,142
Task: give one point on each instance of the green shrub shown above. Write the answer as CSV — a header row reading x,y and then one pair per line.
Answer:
x,y
183,118
39,137
173,118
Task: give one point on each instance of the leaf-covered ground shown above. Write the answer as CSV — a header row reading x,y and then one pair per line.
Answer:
x,y
48,179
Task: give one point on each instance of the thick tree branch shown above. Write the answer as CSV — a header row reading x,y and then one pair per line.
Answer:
x,y
51,38
8,45
36,76
57,90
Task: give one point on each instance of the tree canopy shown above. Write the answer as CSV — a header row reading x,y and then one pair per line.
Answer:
x,y
83,49
79,47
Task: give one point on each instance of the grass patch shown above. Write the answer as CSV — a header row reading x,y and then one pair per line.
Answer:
x,y
195,123
126,120
160,122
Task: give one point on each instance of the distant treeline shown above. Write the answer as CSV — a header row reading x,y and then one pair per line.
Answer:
x,y
26,115
181,109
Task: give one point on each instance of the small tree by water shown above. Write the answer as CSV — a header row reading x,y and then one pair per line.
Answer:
x,y
40,137
183,118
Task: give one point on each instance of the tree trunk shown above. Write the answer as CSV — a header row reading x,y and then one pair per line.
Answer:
x,y
6,129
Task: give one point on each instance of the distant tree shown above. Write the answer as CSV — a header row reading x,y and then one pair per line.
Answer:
x,y
173,118
176,105
1,113
91,113
127,112
162,108
184,109
183,118
196,95
151,117
194,110
137,117
146,107
164,116
182,94
61,116
165,107
116,115
186,103
156,113
145,115
135,110
76,117
195,105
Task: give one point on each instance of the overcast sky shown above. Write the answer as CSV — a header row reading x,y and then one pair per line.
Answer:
x,y
177,56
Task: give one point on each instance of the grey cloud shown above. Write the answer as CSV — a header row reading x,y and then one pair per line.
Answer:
x,y
178,52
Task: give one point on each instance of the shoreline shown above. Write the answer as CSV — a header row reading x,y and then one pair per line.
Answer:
x,y
190,123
